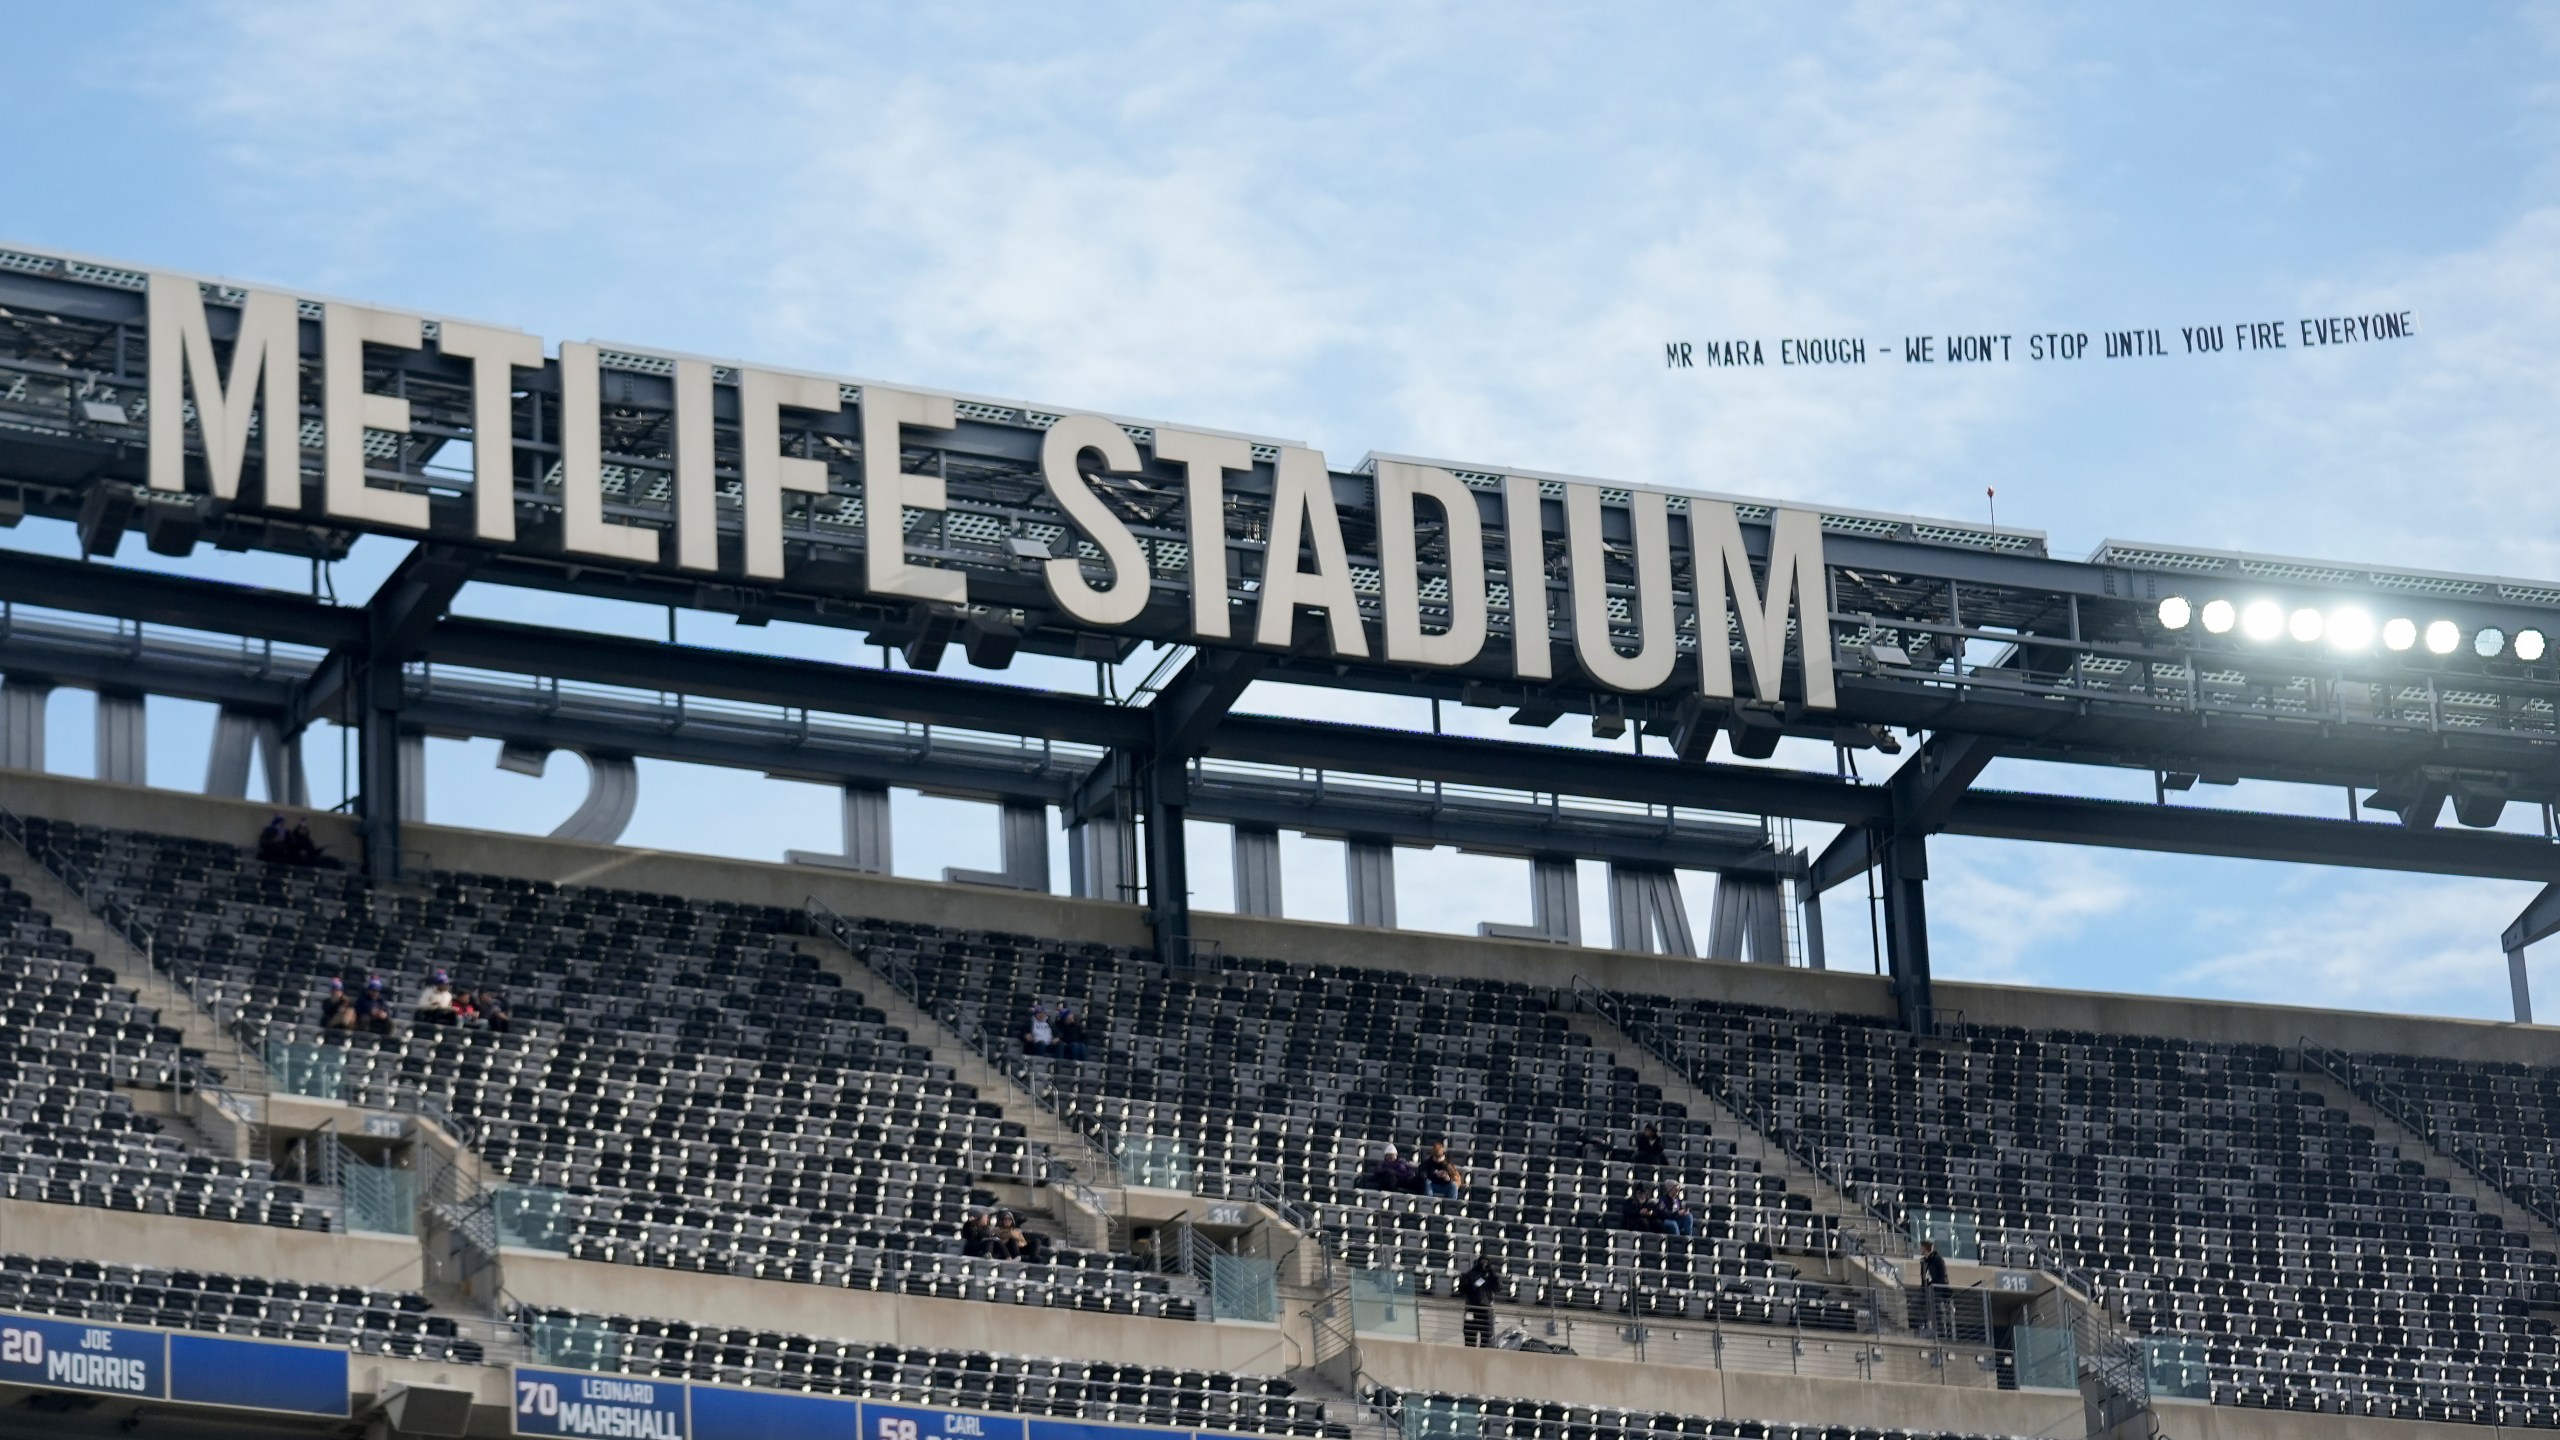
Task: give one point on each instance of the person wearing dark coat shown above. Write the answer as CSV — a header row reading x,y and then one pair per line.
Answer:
x,y
1479,1288
1649,1147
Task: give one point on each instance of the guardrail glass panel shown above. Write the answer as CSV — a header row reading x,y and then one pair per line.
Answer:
x,y
1441,1419
531,1217
1242,1289
2175,1364
1156,1163
2048,1358
1382,1304
1954,1232
316,1071
380,1198
573,1343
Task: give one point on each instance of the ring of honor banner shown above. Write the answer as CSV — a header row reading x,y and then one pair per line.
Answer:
x,y
277,1376
624,1407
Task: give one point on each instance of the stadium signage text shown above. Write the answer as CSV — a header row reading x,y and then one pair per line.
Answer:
x,y
552,1403
218,1370
1309,569
2000,347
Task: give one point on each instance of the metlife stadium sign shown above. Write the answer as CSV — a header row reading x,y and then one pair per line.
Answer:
x,y
700,470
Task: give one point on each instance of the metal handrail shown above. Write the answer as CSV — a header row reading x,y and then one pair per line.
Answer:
x,y
1882,1236
899,971
2420,1120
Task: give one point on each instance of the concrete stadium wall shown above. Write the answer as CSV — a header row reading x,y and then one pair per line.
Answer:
x,y
1310,942
893,1318
178,1242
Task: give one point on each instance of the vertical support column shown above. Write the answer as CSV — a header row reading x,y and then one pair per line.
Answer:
x,y
1555,899
866,829
1257,871
2520,985
1905,874
389,782
1810,902
122,753
22,703
1369,872
1167,789
1098,859
1026,846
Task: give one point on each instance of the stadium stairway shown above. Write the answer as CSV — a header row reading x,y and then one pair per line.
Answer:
x,y
1085,1203
883,990
205,1043
1872,1234
2339,1091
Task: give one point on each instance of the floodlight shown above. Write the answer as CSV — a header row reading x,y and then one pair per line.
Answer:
x,y
2529,645
2350,628
2306,625
2399,632
2489,641
2443,636
2175,612
2218,616
2263,620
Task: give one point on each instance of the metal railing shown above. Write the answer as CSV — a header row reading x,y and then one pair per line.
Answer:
x,y
1001,1053
1858,1334
1867,1229
2419,1119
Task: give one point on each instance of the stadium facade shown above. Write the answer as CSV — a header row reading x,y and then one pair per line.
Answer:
x,y
722,1162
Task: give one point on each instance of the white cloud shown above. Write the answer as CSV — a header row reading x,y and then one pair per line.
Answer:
x,y
2386,942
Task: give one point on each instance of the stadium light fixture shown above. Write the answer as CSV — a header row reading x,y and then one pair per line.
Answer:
x,y
2218,616
2443,637
2350,628
2263,620
2306,625
2399,632
2530,645
2488,642
2175,612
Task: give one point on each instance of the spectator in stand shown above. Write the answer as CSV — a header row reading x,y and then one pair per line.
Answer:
x,y
1649,1147
1393,1173
338,1009
373,1010
1933,1289
436,1001
1440,1174
493,1012
466,1008
301,849
1070,1029
1480,1287
1015,1243
978,1236
1638,1212
1042,1037
1673,1211
273,844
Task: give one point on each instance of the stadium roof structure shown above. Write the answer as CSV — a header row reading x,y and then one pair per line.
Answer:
x,y
134,401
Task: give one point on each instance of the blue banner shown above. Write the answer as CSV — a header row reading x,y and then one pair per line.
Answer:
x,y
257,1374
71,1355
909,1422
772,1415
624,1407
1087,1430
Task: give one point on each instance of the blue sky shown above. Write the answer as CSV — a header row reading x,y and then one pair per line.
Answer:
x,y
1460,231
